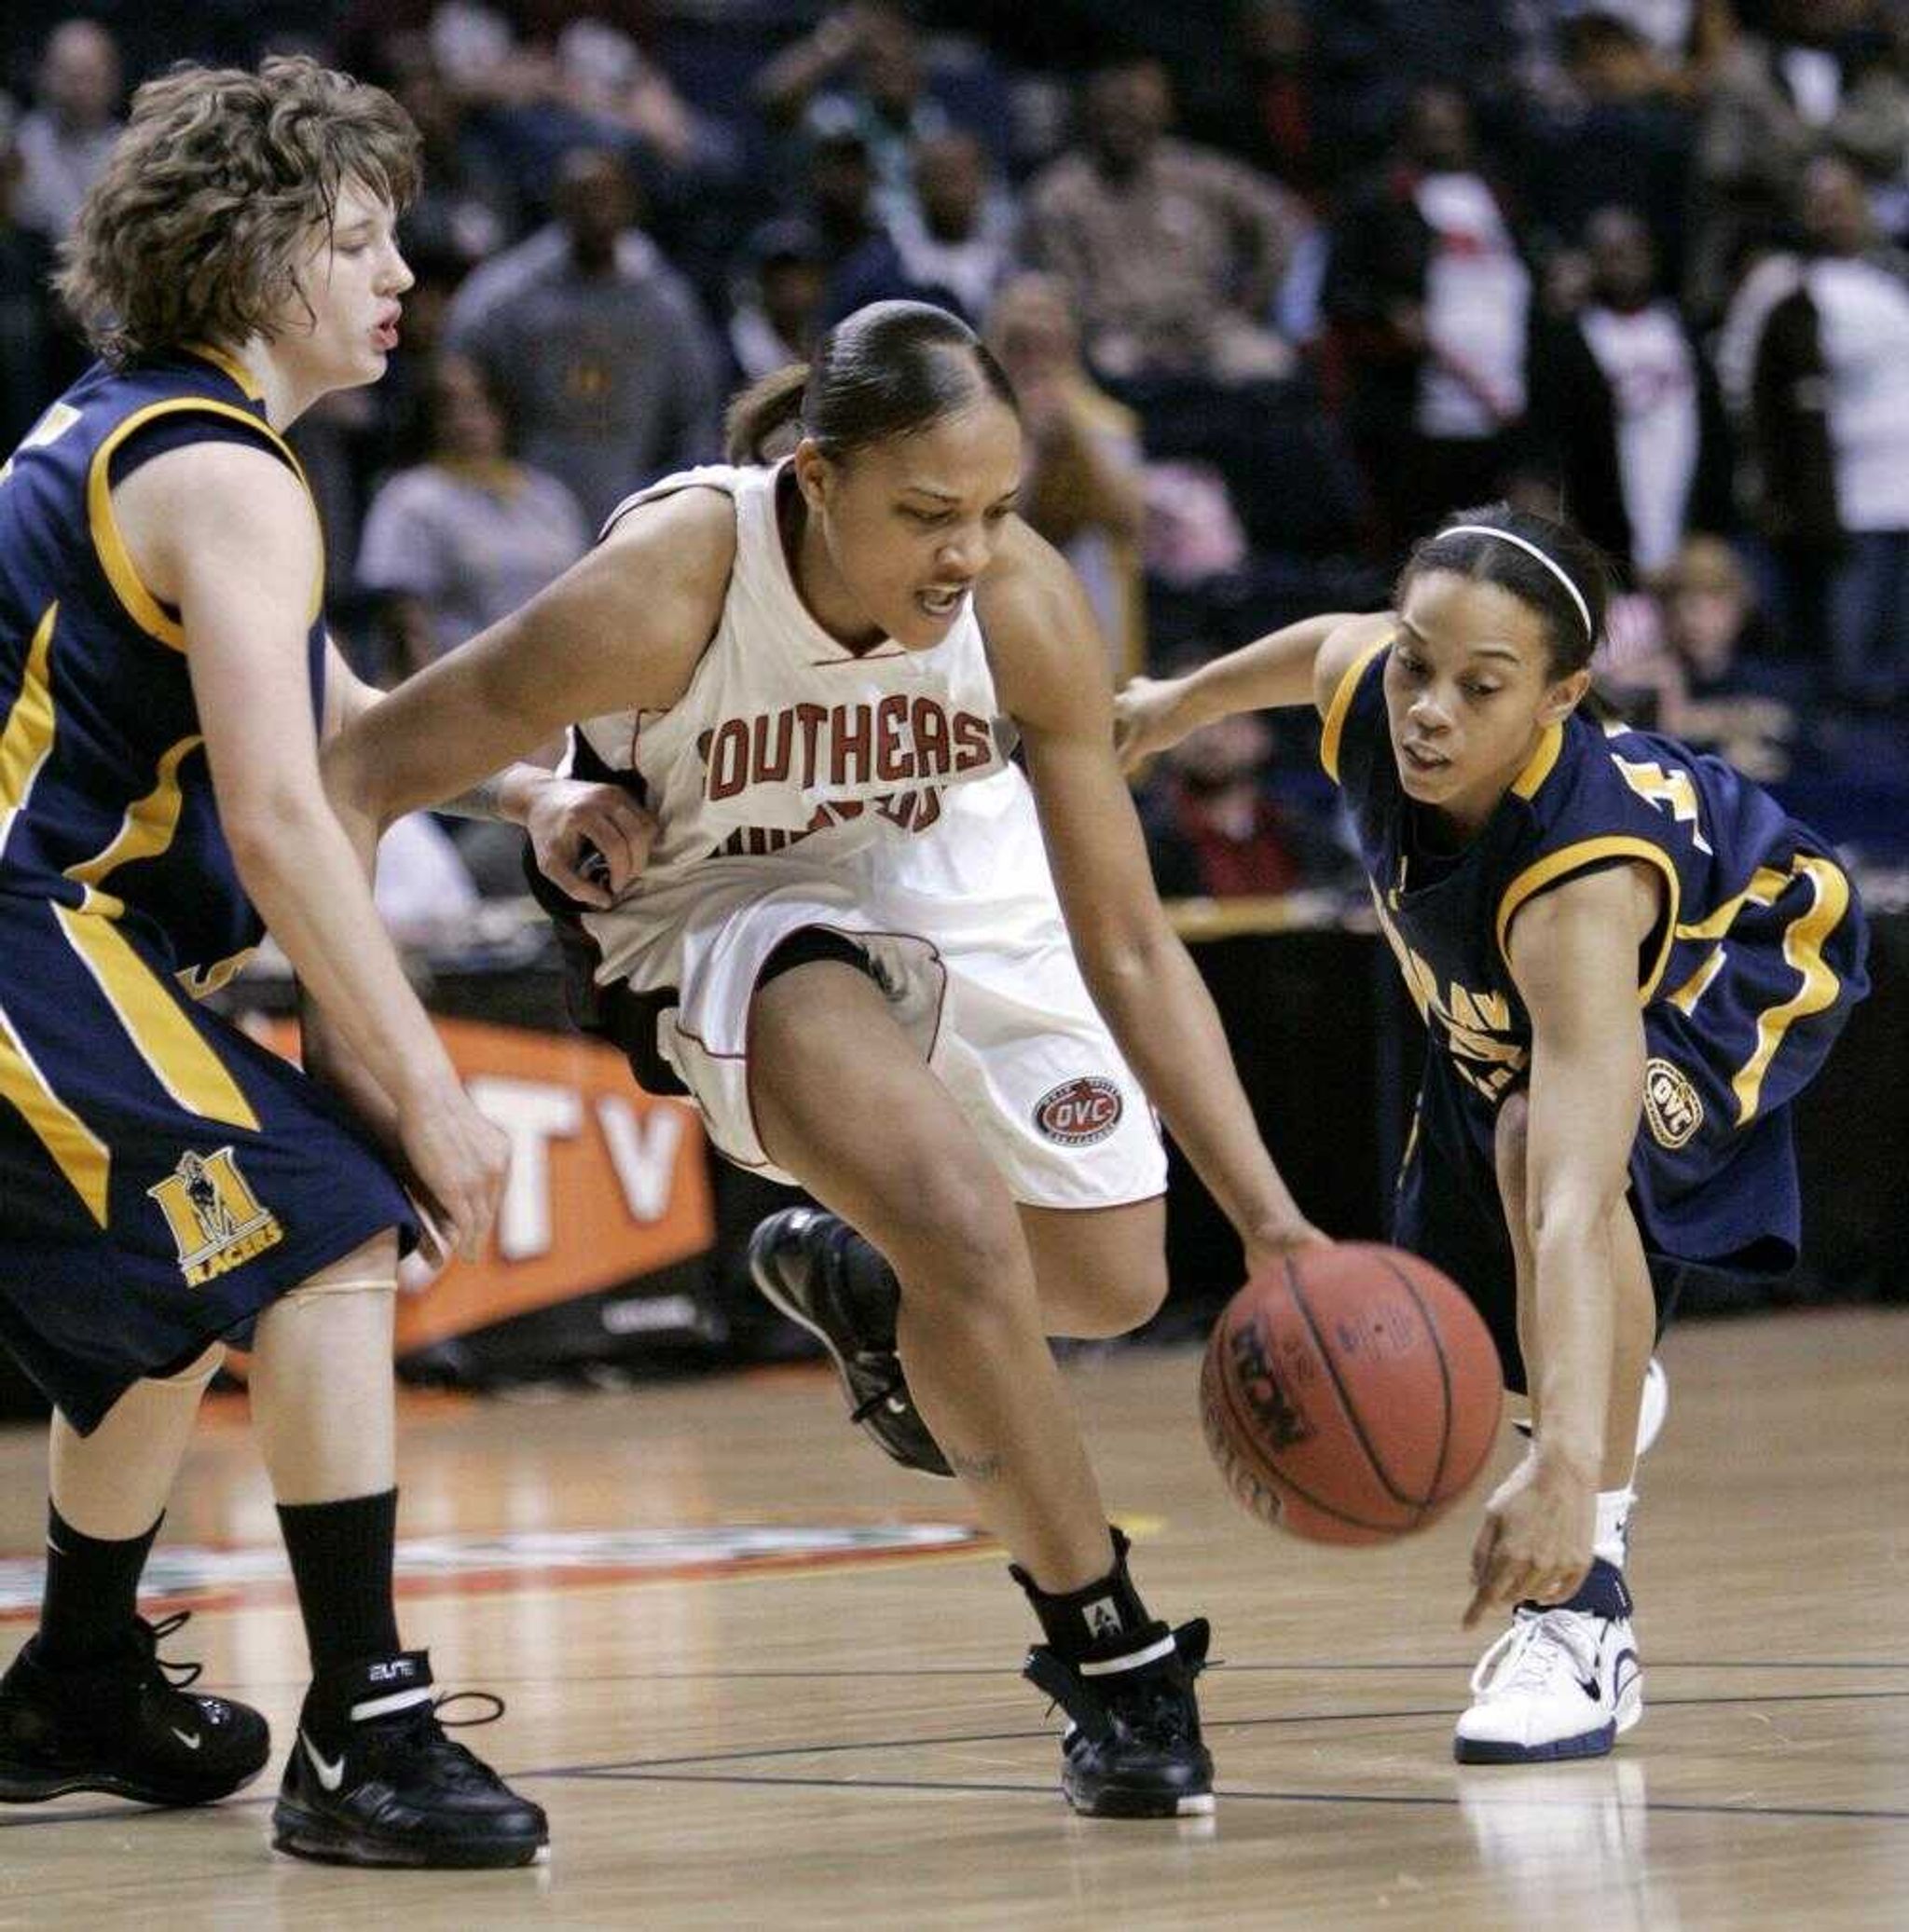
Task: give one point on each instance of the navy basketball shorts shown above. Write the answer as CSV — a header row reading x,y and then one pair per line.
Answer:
x,y
163,1179
1713,1181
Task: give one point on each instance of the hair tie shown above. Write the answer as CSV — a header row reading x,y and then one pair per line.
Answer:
x,y
1530,549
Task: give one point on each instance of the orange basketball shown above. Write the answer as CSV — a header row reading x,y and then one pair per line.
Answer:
x,y
1351,1395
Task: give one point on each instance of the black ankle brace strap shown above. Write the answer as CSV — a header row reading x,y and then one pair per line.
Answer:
x,y
1101,1620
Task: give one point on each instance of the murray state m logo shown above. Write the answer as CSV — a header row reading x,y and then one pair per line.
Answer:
x,y
215,1219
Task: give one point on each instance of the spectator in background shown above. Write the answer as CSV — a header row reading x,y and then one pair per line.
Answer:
x,y
1171,253
599,349
1081,483
776,299
26,328
1432,299
838,194
64,142
950,243
863,70
467,207
1775,99
1215,830
1619,131
468,535
1710,681
1831,414
1625,414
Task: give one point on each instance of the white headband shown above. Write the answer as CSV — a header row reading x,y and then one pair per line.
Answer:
x,y
1530,549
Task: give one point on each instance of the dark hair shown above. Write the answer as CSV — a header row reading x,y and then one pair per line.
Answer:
x,y
889,370
1464,545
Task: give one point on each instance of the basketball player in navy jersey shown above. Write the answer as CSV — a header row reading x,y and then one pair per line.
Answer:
x,y
888,962
1630,961
165,676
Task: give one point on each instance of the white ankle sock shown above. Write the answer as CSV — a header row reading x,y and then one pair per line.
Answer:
x,y
1612,1538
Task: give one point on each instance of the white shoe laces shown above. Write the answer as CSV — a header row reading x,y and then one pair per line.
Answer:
x,y
1528,1654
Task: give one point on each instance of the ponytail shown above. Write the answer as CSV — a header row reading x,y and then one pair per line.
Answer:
x,y
758,419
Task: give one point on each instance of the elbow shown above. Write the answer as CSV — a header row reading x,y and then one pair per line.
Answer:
x,y
353,781
267,833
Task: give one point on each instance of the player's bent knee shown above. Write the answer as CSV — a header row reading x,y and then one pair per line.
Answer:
x,y
962,1243
1132,1296
371,1268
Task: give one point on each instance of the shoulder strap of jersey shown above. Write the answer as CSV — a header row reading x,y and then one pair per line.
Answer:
x,y
108,545
1356,703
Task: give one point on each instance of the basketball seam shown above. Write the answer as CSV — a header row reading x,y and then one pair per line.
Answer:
x,y
1415,1503
1228,1395
1432,1500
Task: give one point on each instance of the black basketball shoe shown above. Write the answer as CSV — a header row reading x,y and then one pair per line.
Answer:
x,y
820,1273
1132,1748
373,1779
126,1725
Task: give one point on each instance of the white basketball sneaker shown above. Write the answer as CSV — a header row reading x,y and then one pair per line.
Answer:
x,y
1563,1681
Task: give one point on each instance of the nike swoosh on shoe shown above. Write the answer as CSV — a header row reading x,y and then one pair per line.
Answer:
x,y
330,1776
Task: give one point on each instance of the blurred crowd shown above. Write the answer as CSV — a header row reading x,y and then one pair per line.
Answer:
x,y
1278,283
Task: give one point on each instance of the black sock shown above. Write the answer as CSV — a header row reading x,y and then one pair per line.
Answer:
x,y
92,1593
1102,1620
341,1562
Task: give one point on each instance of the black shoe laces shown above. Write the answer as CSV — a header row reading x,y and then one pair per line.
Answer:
x,y
178,1675
418,1735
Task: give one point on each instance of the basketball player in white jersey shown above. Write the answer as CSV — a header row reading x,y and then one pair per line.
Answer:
x,y
877,952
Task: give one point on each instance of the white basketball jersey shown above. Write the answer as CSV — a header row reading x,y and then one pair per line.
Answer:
x,y
791,756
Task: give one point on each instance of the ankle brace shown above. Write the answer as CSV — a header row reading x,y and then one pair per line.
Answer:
x,y
1100,1622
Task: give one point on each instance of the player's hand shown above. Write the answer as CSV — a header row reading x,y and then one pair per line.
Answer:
x,y
1270,1248
454,1162
1146,719
1535,1545
590,840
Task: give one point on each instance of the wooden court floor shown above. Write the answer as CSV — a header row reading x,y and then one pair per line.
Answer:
x,y
759,1677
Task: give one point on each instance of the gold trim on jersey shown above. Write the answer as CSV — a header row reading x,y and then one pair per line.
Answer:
x,y
167,1040
1687,996
1538,766
1566,859
1802,949
139,603
27,738
76,1151
1348,685
200,982
227,365
1764,885
148,828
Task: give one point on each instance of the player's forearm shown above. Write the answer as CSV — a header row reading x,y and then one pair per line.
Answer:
x,y
1575,1338
504,797
1159,1011
314,894
1275,669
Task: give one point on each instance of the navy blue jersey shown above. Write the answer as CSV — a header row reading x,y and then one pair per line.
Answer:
x,y
105,796
163,1179
1743,984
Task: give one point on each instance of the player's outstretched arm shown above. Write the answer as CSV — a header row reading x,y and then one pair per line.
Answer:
x,y
1050,665
1573,953
228,534
622,628
1299,665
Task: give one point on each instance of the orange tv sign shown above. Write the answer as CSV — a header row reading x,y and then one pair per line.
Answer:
x,y
606,1182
